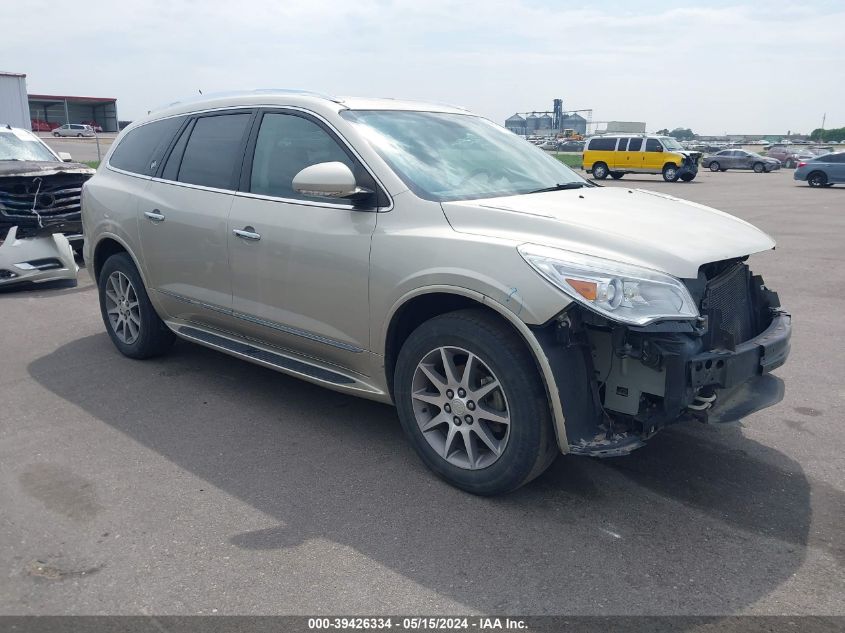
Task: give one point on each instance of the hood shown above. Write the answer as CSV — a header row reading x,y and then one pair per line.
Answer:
x,y
41,168
635,226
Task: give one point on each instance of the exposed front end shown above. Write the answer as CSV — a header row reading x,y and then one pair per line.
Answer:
x,y
713,368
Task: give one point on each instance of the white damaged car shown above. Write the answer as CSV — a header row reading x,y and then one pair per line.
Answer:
x,y
40,193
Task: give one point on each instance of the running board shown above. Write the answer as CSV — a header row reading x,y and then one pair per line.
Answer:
x,y
274,360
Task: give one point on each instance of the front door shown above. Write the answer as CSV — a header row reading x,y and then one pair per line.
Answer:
x,y
653,155
299,264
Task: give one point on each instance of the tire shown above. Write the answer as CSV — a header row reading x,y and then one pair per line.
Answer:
x,y
758,168
600,171
688,177
616,175
790,164
150,336
714,166
527,443
79,136
817,179
670,173
56,134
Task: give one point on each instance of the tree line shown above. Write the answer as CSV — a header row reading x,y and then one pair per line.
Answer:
x,y
834,134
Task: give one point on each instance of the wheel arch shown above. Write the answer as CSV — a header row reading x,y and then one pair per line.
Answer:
x,y
425,303
108,245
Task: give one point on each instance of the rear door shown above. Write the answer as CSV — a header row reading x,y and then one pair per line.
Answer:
x,y
835,167
620,156
635,156
183,218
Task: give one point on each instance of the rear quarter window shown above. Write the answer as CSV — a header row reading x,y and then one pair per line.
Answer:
x,y
141,150
603,144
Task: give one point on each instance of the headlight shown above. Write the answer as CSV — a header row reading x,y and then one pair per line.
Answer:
x,y
621,292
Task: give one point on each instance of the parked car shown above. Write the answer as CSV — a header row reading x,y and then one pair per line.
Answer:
x,y
73,129
790,155
570,146
740,159
616,156
822,171
509,308
39,200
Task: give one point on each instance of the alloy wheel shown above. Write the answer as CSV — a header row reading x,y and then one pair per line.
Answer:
x,y
123,308
460,407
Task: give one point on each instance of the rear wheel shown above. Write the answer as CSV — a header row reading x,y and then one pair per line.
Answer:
x,y
56,134
758,168
670,173
616,175
600,171
473,404
714,166
817,179
131,321
790,163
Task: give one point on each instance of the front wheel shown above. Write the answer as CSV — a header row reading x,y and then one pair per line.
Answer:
x,y
471,400
758,168
790,164
670,173
79,136
131,321
56,134
714,166
600,171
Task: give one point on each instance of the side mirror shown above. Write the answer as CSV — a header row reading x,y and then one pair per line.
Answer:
x,y
65,157
328,180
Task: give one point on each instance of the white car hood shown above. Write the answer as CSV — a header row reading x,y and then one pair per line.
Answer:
x,y
635,226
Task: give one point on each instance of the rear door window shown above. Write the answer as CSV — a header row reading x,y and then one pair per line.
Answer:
x,y
142,148
635,144
623,145
214,151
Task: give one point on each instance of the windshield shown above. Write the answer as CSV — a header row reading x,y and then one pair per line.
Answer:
x,y
445,157
670,143
21,145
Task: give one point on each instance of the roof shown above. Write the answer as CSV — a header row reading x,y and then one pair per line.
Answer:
x,y
32,97
8,74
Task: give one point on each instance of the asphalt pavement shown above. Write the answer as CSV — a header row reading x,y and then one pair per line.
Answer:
x,y
197,483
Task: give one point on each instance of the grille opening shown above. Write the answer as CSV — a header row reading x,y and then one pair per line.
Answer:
x,y
728,305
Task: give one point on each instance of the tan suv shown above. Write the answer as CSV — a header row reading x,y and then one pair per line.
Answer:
x,y
418,254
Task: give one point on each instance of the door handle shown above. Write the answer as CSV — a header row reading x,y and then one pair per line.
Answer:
x,y
154,216
247,233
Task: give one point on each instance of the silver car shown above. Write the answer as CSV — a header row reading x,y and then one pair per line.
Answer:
x,y
420,255
74,129
740,159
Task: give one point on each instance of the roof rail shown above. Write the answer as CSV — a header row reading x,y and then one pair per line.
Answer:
x,y
235,93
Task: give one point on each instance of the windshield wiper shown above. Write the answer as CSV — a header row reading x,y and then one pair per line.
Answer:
x,y
563,186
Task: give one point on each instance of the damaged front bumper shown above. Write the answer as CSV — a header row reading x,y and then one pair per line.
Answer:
x,y
639,380
35,259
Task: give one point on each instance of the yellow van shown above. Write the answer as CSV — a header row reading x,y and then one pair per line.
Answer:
x,y
639,154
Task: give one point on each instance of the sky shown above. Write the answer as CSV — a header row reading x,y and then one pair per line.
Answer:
x,y
763,67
